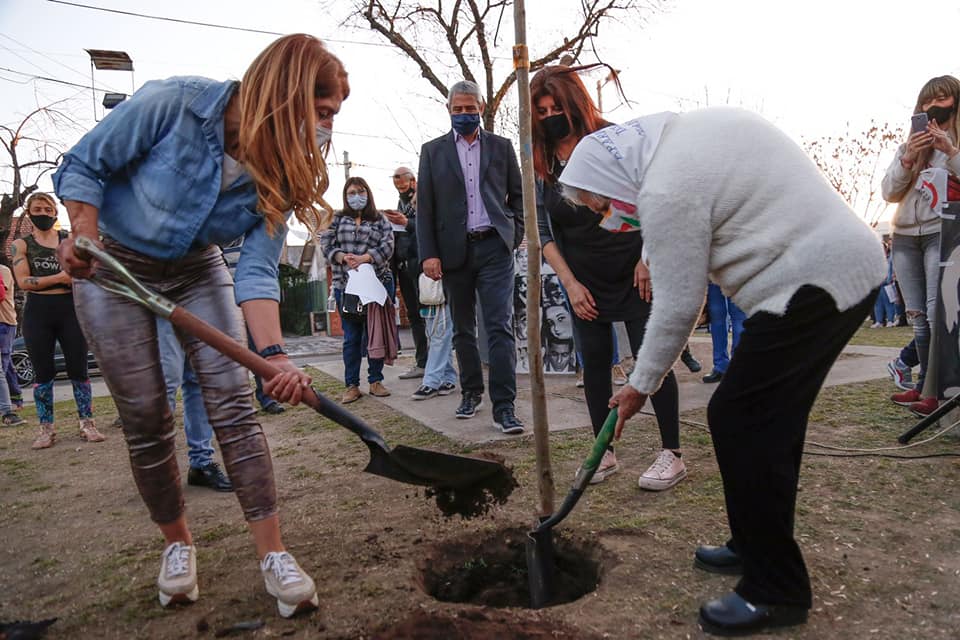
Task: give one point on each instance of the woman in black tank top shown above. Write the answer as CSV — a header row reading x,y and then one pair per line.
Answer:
x,y
48,318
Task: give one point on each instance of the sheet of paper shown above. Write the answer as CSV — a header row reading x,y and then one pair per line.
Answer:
x,y
363,282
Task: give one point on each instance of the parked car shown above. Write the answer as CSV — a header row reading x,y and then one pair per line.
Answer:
x,y
24,366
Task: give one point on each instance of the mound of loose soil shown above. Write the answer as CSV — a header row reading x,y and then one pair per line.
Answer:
x,y
493,571
476,499
474,625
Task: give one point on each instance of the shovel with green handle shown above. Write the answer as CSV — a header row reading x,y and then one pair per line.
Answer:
x,y
539,550
403,464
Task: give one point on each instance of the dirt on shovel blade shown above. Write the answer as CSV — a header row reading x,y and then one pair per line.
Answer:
x,y
477,499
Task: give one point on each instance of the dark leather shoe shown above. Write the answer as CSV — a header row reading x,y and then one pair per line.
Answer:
x,y
691,362
713,376
209,476
720,559
731,615
274,408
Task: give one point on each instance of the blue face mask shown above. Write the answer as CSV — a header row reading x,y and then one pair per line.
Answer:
x,y
357,201
465,123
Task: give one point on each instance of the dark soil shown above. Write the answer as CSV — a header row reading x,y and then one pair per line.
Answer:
x,y
475,625
476,499
493,571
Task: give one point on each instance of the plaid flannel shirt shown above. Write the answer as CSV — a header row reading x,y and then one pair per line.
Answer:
x,y
344,236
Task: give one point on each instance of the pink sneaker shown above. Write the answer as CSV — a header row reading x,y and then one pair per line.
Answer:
x,y
608,467
666,471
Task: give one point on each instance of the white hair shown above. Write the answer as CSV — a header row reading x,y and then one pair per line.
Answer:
x,y
466,88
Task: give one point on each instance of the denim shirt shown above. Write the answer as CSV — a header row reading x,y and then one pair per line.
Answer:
x,y
152,167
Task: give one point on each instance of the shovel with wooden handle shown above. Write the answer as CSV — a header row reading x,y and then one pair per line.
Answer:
x,y
403,464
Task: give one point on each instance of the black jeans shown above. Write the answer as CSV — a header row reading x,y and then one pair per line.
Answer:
x,y
48,319
486,275
758,419
596,348
407,279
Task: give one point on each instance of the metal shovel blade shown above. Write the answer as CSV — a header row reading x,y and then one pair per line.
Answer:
x,y
445,469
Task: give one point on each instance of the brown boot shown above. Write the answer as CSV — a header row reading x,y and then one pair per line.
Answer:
x,y
88,431
377,389
46,437
352,394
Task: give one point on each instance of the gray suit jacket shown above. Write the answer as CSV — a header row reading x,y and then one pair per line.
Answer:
x,y
442,197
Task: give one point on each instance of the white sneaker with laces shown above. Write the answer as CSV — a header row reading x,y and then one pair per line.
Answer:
x,y
608,467
178,575
666,471
288,583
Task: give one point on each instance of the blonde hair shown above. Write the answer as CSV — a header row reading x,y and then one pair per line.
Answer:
x,y
277,128
939,87
39,195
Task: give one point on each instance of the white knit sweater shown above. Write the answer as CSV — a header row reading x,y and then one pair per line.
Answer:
x,y
730,197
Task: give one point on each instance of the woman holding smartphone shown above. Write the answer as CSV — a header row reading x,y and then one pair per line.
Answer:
x,y
916,226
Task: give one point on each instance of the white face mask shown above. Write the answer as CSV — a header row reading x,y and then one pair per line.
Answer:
x,y
323,135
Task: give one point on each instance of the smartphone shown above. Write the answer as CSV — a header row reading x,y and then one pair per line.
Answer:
x,y
918,122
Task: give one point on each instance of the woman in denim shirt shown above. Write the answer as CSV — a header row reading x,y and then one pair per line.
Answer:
x,y
359,234
183,166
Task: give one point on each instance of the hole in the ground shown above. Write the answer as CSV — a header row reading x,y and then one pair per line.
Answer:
x,y
492,571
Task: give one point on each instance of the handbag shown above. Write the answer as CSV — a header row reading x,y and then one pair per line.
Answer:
x,y
431,291
351,307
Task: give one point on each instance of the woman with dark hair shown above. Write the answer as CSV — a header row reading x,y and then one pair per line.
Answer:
x,y
359,234
49,318
603,273
916,225
184,165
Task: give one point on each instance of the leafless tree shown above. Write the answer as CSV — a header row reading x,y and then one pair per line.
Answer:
x,y
31,152
854,164
465,36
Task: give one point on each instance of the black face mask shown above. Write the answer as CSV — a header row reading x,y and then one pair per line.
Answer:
x,y
940,114
407,195
556,127
44,223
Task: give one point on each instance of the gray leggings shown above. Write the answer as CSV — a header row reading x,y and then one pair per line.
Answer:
x,y
123,336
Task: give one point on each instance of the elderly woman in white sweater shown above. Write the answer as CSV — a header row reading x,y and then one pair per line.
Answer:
x,y
722,195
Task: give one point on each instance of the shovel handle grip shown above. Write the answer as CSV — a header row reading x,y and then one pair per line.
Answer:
x,y
589,466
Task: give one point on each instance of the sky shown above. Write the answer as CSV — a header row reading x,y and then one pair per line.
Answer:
x,y
815,69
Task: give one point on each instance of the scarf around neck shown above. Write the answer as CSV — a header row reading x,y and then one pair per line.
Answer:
x,y
611,162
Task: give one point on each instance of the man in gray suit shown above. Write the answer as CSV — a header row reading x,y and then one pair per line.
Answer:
x,y
469,221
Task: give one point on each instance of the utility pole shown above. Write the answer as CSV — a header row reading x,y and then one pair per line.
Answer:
x,y
346,165
541,431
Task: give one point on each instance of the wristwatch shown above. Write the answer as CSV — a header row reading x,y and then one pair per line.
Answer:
x,y
272,350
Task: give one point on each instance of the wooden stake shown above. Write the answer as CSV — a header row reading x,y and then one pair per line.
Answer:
x,y
521,64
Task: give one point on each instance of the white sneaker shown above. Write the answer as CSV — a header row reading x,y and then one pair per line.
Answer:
x,y
619,376
608,467
288,583
666,471
178,575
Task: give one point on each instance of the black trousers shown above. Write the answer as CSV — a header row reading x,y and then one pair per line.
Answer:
x,y
407,279
596,348
758,419
486,275
48,319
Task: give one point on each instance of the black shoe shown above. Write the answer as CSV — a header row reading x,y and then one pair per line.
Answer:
x,y
423,393
713,376
692,363
731,615
209,476
507,422
274,408
446,389
720,559
469,405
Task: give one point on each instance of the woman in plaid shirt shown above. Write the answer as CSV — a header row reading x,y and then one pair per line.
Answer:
x,y
358,234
